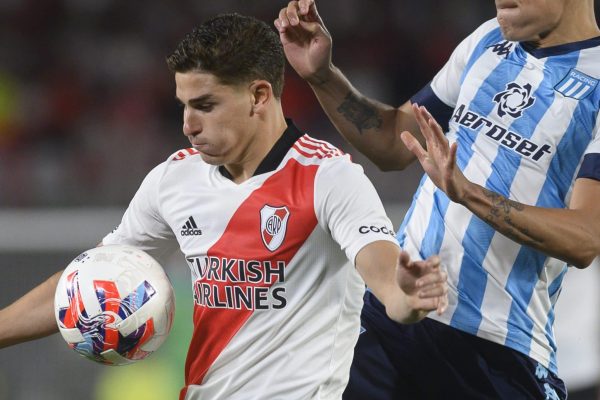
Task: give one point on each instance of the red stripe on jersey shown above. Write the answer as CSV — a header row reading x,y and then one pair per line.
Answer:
x,y
324,145
181,154
316,148
302,152
292,187
331,151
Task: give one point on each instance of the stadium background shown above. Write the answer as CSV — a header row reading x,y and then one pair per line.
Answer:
x,y
87,109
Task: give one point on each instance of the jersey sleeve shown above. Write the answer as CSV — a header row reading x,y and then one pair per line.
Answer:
x,y
349,208
590,167
142,225
441,94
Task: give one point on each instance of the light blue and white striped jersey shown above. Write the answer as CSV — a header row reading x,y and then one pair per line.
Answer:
x,y
527,125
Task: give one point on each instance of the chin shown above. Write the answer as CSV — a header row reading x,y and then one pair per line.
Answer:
x,y
212,160
510,33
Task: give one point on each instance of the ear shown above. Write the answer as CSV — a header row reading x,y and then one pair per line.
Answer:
x,y
262,95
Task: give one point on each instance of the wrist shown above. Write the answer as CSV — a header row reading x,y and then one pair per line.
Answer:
x,y
467,194
323,76
398,308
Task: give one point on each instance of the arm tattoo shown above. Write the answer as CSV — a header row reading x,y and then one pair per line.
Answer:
x,y
500,211
360,113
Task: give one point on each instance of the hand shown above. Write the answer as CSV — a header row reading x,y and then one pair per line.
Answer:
x,y
306,41
425,285
439,160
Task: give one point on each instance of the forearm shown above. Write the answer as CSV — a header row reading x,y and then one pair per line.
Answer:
x,y
371,127
31,317
560,233
396,286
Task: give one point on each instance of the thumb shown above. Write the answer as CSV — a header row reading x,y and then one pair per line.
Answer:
x,y
404,260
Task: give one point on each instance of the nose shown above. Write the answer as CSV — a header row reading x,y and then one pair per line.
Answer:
x,y
191,123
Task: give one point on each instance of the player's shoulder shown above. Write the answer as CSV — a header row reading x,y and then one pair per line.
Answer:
x,y
334,166
183,158
486,34
491,25
173,163
488,26
184,154
309,150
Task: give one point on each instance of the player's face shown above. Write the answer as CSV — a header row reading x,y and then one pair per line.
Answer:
x,y
528,20
216,117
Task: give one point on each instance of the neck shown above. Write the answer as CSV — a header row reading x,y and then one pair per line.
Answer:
x,y
578,23
269,130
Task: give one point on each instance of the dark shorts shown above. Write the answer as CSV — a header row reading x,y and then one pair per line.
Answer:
x,y
430,360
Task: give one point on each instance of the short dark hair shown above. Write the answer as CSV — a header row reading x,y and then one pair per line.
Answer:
x,y
234,48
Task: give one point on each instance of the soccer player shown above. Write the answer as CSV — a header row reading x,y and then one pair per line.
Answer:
x,y
510,195
271,222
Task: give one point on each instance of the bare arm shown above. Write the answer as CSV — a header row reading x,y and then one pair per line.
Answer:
x,y
408,290
572,235
31,317
372,127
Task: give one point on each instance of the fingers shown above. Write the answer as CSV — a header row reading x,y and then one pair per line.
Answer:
x,y
431,304
305,5
431,265
295,10
283,21
453,150
296,13
431,280
293,13
413,145
434,289
421,121
433,297
431,130
434,286
442,304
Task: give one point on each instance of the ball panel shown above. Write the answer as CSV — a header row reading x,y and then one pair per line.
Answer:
x,y
114,303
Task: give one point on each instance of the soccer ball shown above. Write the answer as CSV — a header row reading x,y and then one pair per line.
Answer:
x,y
114,304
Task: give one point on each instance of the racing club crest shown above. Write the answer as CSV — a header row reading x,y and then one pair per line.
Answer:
x,y
273,225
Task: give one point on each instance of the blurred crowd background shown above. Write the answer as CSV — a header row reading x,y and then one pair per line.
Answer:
x,y
87,109
87,103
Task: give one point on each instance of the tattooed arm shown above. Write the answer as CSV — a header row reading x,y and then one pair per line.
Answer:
x,y
572,235
373,128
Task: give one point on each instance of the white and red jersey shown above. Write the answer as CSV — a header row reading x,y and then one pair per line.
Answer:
x,y
277,301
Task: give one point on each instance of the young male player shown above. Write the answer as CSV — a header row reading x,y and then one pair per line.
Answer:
x,y
510,194
271,223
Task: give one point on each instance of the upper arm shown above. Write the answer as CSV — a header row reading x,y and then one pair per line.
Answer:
x,y
586,190
584,198
585,195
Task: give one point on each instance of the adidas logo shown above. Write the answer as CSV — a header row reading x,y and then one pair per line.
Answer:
x,y
190,228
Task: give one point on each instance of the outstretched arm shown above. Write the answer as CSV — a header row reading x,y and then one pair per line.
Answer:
x,y
572,235
409,290
372,127
32,316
